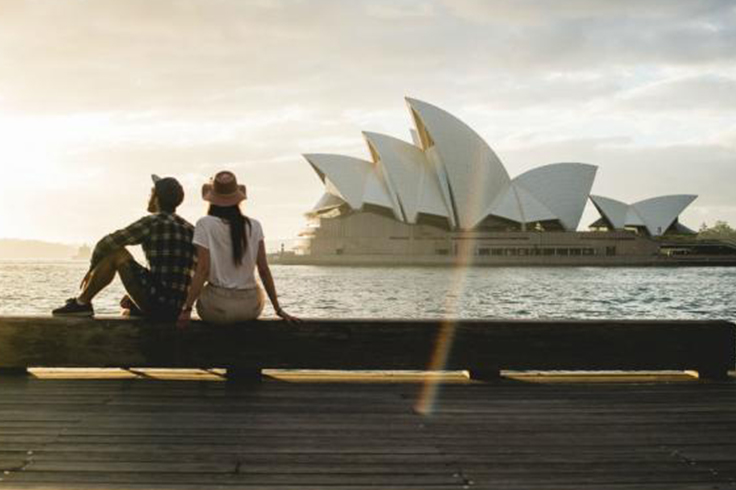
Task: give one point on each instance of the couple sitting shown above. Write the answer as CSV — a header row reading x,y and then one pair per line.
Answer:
x,y
222,251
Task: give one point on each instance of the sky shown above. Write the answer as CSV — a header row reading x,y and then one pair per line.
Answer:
x,y
95,95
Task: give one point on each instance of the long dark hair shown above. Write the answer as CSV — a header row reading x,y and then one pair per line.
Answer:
x,y
239,225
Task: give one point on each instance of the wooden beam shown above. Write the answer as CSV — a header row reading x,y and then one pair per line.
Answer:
x,y
480,346
244,375
486,374
13,371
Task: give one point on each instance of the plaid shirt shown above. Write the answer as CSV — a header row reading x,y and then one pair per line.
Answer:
x,y
167,243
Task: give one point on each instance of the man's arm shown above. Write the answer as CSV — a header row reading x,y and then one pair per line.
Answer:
x,y
133,234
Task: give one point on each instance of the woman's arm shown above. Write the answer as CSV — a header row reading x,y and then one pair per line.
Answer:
x,y
265,272
201,273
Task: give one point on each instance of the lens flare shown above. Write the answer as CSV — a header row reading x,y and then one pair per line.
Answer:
x,y
429,393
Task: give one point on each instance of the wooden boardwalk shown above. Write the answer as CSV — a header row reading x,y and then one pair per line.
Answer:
x,y
364,433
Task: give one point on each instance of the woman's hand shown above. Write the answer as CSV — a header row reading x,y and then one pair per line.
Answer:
x,y
184,318
285,316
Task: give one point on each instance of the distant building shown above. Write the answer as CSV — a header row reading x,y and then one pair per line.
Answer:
x,y
83,253
447,197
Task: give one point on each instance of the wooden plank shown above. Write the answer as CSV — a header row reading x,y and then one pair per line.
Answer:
x,y
207,479
131,435
245,486
366,344
13,371
415,437
593,480
11,463
242,486
89,433
244,467
315,448
559,455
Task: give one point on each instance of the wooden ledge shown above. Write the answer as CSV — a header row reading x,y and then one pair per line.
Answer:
x,y
483,347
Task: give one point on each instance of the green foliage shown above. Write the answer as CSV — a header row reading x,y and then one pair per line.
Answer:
x,y
720,230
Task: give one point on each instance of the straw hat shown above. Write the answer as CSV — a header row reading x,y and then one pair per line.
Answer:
x,y
223,190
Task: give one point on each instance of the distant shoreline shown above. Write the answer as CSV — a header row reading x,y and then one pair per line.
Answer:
x,y
14,248
22,249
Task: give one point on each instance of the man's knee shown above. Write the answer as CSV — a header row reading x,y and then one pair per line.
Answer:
x,y
122,257
118,258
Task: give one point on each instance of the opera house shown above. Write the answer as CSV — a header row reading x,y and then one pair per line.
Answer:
x,y
447,198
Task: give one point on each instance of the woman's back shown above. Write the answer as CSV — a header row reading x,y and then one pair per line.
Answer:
x,y
229,246
213,233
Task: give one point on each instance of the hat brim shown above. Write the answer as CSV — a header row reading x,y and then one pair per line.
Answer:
x,y
209,195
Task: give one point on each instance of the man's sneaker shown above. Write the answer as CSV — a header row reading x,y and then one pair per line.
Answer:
x,y
72,308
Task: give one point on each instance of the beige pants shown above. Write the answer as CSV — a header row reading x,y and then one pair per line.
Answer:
x,y
222,306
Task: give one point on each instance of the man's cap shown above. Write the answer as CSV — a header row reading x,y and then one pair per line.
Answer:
x,y
168,189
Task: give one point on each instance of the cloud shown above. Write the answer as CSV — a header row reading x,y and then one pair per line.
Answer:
x,y
541,11
711,93
401,10
727,137
112,90
215,58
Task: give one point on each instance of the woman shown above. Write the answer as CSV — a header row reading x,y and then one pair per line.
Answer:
x,y
229,247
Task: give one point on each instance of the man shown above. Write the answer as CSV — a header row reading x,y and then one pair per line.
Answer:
x,y
167,243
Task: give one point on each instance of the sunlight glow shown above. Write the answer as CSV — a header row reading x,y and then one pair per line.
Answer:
x,y
428,396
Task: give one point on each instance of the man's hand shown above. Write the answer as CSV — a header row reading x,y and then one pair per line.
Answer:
x,y
184,318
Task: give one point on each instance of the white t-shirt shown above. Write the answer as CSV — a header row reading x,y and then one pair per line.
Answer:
x,y
213,234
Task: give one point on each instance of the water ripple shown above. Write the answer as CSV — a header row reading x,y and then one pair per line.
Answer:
x,y
28,287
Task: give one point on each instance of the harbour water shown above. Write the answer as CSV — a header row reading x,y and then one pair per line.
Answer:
x,y
36,287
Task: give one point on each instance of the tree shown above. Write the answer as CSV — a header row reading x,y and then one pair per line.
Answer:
x,y
720,230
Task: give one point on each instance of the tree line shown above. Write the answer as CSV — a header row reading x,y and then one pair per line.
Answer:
x,y
720,230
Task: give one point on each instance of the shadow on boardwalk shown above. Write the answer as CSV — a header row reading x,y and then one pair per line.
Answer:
x,y
133,432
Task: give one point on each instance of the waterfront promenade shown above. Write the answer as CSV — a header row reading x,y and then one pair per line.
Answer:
x,y
115,429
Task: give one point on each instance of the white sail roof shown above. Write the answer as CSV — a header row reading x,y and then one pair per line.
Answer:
x,y
615,212
517,204
658,213
351,179
451,172
410,178
506,205
469,170
563,188
327,201
633,218
532,209
655,214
